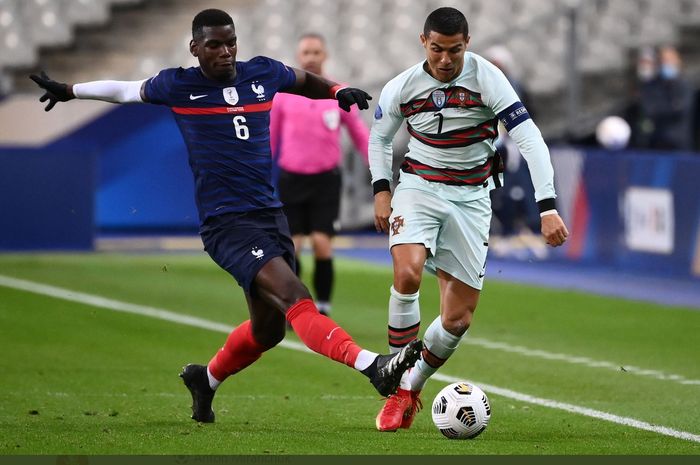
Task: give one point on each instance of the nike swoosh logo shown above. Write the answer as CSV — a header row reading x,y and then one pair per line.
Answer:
x,y
331,333
195,97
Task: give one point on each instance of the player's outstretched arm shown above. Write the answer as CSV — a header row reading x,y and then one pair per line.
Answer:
x,y
107,91
313,86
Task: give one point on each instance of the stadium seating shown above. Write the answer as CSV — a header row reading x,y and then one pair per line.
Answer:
x,y
370,40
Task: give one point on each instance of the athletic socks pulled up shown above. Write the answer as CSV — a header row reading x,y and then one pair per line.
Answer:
x,y
325,336
404,319
438,345
240,350
323,281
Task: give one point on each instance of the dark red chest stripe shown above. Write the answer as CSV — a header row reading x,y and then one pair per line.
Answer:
x,y
458,137
254,108
455,97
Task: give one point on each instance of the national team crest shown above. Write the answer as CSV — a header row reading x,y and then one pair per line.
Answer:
x,y
259,91
331,118
439,98
231,95
397,225
462,96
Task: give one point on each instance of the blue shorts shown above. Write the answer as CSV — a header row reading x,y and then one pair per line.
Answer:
x,y
241,243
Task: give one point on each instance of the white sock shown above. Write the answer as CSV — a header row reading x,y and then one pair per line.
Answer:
x,y
213,382
404,319
438,342
323,306
364,359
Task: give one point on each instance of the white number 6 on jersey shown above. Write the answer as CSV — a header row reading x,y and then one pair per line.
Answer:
x,y
240,128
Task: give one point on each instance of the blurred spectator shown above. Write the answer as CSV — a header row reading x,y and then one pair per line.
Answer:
x,y
514,205
662,116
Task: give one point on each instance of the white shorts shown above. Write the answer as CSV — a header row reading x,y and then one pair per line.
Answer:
x,y
455,233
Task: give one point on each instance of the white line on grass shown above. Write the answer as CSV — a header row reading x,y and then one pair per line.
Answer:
x,y
660,375
161,314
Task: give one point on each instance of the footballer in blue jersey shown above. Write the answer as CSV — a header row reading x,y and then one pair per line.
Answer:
x,y
222,109
226,130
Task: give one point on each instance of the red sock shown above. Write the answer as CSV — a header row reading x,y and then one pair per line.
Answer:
x,y
321,334
240,350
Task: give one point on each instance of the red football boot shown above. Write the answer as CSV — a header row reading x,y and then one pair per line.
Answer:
x,y
398,411
410,414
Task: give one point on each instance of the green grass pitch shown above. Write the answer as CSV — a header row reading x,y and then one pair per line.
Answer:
x,y
81,379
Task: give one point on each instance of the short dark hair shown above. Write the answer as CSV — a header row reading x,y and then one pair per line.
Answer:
x,y
446,21
312,35
210,17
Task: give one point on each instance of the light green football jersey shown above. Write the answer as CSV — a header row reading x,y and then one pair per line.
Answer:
x,y
454,125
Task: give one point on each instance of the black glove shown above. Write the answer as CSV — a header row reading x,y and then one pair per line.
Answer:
x,y
55,91
346,97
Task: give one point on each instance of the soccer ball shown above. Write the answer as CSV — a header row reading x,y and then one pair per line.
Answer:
x,y
613,133
461,411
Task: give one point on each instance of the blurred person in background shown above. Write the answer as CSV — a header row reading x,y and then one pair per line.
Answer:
x,y
305,140
662,115
222,110
440,213
513,206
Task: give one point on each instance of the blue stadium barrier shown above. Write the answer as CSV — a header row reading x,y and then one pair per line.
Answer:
x,y
144,182
637,211
47,199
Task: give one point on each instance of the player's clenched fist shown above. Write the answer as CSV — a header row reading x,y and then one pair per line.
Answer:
x,y
554,230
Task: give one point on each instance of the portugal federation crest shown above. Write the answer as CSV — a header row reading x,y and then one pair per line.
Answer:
x,y
439,98
231,95
397,225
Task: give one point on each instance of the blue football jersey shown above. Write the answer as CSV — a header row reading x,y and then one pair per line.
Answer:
x,y
226,128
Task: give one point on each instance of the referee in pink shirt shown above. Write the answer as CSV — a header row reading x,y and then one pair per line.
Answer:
x,y
305,141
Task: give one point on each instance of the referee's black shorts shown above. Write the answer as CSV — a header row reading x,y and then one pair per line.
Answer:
x,y
311,201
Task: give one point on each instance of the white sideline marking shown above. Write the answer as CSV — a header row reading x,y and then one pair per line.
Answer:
x,y
577,360
97,301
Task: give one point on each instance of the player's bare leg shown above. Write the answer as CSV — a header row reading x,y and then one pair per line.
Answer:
x,y
298,240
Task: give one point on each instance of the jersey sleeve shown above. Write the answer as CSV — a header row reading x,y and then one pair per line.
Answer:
x,y
282,75
159,88
387,120
499,95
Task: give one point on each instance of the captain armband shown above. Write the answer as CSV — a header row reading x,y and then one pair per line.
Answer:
x,y
512,116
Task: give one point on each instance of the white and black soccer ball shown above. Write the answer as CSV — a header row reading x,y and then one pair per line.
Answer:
x,y
613,133
461,411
